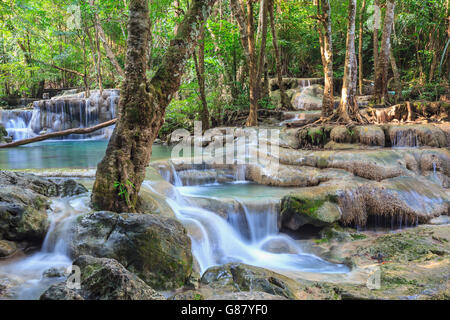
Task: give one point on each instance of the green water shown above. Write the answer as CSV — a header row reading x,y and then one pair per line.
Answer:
x,y
63,154
236,190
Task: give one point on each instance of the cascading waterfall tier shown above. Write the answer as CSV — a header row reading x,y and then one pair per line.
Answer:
x,y
62,113
246,233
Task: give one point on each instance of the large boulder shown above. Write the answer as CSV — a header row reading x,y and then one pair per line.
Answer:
x,y
154,247
24,200
319,211
45,187
103,279
234,277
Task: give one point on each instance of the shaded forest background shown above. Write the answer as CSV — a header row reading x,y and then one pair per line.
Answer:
x,y
82,44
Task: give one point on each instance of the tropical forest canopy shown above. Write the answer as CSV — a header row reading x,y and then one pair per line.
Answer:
x,y
83,44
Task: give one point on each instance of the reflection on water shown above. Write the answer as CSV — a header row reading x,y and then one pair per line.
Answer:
x,y
63,154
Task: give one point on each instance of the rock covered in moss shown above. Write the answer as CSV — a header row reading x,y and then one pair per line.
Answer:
x,y
298,211
155,248
369,135
241,277
103,279
342,134
24,200
46,187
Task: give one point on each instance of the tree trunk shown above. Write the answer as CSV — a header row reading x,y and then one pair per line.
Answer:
x,y
377,18
246,29
398,82
360,40
200,71
326,52
285,102
383,59
348,107
142,106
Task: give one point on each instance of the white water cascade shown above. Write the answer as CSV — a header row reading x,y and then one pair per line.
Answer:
x,y
28,273
252,238
62,113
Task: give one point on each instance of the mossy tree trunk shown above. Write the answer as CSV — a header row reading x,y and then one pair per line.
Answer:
x,y
383,59
142,106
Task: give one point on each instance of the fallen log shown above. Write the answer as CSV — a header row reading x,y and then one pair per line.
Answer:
x,y
59,134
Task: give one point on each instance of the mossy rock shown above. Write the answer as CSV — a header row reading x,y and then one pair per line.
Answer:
x,y
154,247
297,211
418,244
241,277
342,134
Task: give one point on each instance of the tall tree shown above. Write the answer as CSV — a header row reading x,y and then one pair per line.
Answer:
x,y
285,102
376,26
199,61
348,108
101,34
245,20
383,59
360,44
326,52
142,106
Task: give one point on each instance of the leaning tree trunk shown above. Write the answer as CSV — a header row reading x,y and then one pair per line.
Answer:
x,y
348,107
285,102
142,106
383,59
326,52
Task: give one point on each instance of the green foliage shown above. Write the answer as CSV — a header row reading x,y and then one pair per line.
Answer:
x,y
35,36
123,191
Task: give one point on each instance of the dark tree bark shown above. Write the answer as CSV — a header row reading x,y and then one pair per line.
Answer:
x,y
142,106
348,108
285,102
326,52
383,59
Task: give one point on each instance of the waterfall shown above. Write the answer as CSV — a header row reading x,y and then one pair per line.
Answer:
x,y
405,138
258,221
16,123
54,252
62,113
251,238
299,98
